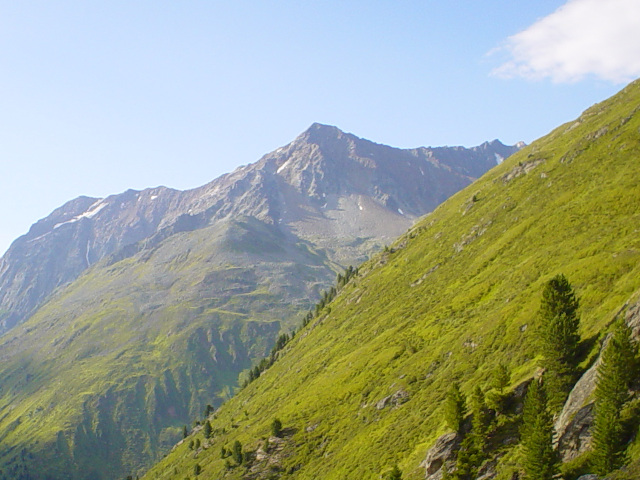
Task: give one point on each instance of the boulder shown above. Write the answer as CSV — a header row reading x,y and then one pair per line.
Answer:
x,y
632,317
394,400
576,438
573,425
442,452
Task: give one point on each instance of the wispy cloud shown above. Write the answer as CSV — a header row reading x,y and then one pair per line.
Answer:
x,y
581,38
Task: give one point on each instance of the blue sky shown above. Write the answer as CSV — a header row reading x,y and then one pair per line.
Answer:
x,y
99,97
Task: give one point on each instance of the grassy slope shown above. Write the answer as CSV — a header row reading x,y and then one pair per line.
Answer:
x,y
104,376
457,296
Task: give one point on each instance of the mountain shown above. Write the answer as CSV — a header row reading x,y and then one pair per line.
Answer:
x,y
125,316
361,388
327,187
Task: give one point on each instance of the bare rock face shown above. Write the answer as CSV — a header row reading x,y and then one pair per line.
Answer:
x,y
442,453
632,318
576,438
572,425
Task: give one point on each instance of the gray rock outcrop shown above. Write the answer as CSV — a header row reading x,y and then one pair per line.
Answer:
x,y
442,453
572,427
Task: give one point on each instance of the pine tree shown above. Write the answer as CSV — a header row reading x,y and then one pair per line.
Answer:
x,y
276,427
468,459
454,408
480,415
185,432
471,453
540,460
496,398
615,373
207,430
237,452
559,338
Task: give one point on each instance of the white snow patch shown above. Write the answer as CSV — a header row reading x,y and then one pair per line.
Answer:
x,y
400,211
93,209
283,166
360,207
58,225
422,172
153,197
38,238
92,212
87,254
499,158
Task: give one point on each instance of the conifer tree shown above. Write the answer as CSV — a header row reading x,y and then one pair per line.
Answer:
x,y
276,427
540,460
468,460
558,338
237,452
454,408
615,373
496,398
207,430
471,453
480,416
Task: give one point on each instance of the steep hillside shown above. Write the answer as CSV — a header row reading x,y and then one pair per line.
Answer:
x,y
361,387
338,191
144,307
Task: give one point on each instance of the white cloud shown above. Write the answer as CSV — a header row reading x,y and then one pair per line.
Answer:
x,y
583,37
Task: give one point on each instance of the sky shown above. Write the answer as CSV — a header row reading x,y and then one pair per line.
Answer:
x,y
99,97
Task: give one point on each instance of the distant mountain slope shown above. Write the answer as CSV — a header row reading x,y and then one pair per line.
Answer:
x,y
361,388
133,312
323,185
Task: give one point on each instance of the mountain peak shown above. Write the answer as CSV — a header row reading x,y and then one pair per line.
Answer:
x,y
319,133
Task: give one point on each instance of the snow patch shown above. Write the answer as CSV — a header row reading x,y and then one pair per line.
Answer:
x,y
283,166
499,158
87,254
400,211
153,197
92,212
